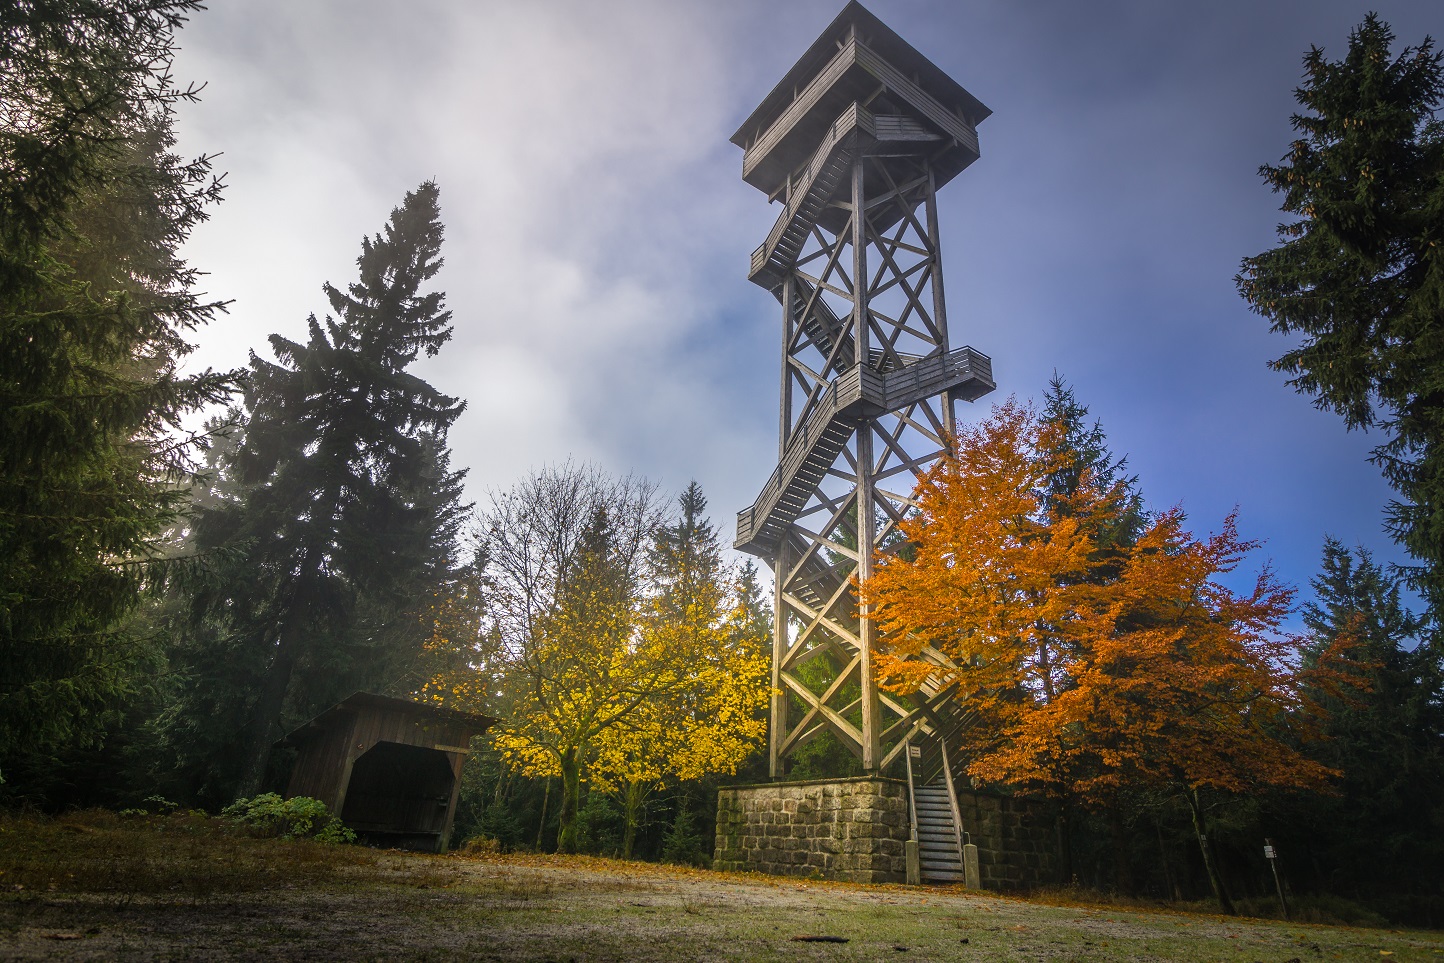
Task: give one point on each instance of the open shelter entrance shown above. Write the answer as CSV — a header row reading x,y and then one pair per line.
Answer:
x,y
399,795
390,768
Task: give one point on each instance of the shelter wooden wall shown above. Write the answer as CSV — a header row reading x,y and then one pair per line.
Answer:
x,y
402,788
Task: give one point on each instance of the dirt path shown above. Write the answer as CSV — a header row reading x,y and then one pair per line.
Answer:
x,y
519,908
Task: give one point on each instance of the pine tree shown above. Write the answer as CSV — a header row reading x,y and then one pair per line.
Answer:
x,y
1382,695
1084,460
95,308
686,561
338,505
752,615
1359,275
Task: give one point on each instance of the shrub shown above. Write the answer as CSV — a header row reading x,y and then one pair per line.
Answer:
x,y
299,817
153,806
481,846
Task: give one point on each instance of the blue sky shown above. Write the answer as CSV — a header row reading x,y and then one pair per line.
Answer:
x,y
598,228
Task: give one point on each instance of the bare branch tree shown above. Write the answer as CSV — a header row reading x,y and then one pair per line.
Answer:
x,y
530,532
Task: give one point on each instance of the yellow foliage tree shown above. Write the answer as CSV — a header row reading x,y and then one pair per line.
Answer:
x,y
462,659
712,723
630,687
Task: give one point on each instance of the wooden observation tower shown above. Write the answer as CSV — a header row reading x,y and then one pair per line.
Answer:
x,y
854,143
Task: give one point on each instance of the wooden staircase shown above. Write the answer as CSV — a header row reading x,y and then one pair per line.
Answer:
x,y
857,130
940,853
854,395
937,821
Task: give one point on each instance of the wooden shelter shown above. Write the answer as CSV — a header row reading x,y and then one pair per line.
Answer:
x,y
390,768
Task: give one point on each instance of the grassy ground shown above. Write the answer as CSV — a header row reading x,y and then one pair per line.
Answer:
x,y
98,887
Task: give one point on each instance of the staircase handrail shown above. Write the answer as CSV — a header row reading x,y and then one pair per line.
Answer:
x,y
854,116
890,390
813,426
912,795
952,798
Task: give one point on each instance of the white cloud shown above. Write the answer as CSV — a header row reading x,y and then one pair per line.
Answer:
x,y
598,230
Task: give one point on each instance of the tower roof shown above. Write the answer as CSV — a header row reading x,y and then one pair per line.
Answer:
x,y
885,41
857,59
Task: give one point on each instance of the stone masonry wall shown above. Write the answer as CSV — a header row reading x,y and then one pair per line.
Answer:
x,y
846,829
1017,839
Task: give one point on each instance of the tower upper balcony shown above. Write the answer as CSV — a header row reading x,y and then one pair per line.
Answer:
x,y
857,59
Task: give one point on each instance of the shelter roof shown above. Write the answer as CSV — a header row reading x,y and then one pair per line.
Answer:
x,y
361,701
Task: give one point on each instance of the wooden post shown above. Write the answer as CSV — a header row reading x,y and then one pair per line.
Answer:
x,y
935,251
1272,855
940,307
866,510
456,760
866,634
912,853
777,729
861,327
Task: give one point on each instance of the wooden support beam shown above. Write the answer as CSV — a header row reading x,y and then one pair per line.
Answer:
x,y
855,261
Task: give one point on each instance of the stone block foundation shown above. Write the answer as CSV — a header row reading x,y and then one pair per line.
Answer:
x,y
1017,839
845,829
858,829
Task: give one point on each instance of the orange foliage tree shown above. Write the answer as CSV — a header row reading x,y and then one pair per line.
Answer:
x,y
1094,666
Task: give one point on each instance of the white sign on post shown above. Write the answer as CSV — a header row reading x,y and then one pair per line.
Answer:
x,y
1269,853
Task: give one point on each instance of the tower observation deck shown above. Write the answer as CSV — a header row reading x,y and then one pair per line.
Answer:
x,y
854,143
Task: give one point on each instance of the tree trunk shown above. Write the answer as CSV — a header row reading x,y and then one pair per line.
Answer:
x,y
1205,845
1170,886
1065,844
1122,858
632,803
265,716
500,783
571,766
542,826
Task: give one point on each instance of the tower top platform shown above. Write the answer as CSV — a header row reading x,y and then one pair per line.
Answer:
x,y
857,59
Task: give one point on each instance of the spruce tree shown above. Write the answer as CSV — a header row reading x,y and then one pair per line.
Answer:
x,y
1358,276
1081,467
96,306
339,505
751,618
686,562
1382,695
1082,459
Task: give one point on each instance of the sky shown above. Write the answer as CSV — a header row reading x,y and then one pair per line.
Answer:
x,y
598,230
